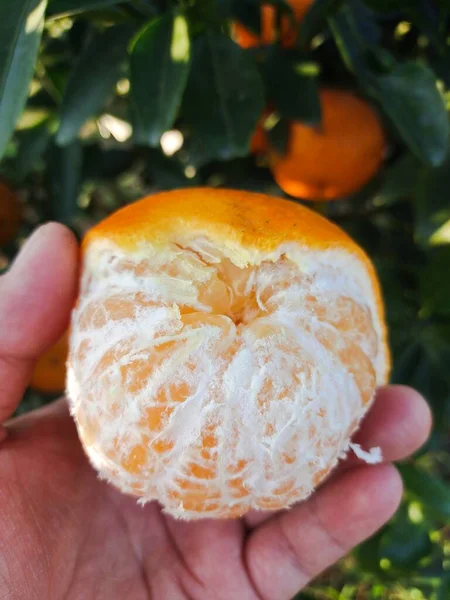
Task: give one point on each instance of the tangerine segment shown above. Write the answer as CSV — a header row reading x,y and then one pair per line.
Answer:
x,y
227,370
49,374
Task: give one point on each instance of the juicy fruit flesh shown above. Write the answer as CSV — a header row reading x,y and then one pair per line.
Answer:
x,y
216,389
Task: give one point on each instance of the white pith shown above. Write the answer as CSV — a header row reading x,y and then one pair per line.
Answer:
x,y
315,403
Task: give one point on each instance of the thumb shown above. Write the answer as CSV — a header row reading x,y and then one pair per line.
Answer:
x,y
36,297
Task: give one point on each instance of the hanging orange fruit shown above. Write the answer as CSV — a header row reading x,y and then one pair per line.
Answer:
x,y
336,158
288,26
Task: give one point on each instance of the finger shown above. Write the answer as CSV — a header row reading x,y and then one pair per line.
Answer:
x,y
36,297
286,552
399,422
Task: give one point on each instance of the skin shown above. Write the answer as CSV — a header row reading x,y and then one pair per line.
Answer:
x,y
67,535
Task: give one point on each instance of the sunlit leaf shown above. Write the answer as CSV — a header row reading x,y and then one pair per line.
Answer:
x,y
224,98
410,97
92,80
160,63
292,86
21,24
68,7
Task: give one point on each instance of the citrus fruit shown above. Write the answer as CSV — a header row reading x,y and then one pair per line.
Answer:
x,y
10,214
336,158
258,142
49,375
288,26
224,347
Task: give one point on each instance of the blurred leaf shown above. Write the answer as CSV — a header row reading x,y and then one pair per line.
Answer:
x,y
349,40
407,92
315,18
32,144
405,543
292,86
149,8
400,179
386,5
368,553
421,359
440,62
160,63
435,282
433,492
68,7
224,98
65,165
168,172
278,136
106,163
92,80
432,206
21,24
368,23
409,95
443,592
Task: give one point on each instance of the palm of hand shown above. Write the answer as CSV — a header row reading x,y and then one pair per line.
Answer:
x,y
82,539
65,534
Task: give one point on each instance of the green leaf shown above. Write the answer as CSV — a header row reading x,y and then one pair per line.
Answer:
x,y
399,180
21,24
92,80
410,97
278,135
435,282
405,543
349,40
315,19
168,172
432,207
443,592
65,177
33,143
421,359
224,98
407,92
292,86
433,492
386,5
368,553
160,63
61,8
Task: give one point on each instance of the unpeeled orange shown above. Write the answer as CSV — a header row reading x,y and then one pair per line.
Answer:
x,y
224,347
288,26
336,158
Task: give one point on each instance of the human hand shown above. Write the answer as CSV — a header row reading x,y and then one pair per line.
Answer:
x,y
66,534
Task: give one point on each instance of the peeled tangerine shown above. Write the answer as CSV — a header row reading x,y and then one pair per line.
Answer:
x,y
224,348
